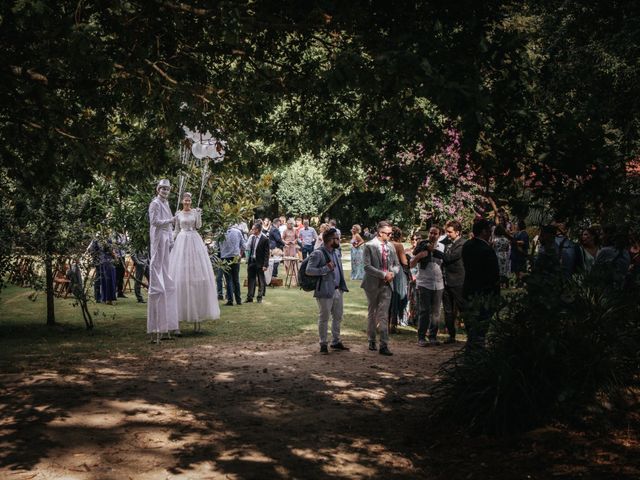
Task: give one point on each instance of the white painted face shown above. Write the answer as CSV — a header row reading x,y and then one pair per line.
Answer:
x,y
164,192
186,203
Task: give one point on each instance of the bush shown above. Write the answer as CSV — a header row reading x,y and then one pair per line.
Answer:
x,y
551,349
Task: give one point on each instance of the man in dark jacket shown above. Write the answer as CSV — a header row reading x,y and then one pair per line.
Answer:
x,y
453,268
325,263
275,241
257,262
481,281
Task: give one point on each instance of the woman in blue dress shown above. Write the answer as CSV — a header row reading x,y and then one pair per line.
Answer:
x,y
357,264
105,276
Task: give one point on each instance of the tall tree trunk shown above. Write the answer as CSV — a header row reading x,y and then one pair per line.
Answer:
x,y
48,268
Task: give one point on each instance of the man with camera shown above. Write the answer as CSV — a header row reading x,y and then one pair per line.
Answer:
x,y
429,255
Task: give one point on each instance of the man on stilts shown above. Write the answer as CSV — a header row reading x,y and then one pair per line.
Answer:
x,y
162,309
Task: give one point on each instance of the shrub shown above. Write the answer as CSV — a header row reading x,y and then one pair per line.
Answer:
x,y
551,349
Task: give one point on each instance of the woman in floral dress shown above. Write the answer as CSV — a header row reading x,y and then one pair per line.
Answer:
x,y
357,264
502,246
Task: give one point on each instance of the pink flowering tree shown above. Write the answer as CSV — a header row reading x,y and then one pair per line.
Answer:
x,y
449,189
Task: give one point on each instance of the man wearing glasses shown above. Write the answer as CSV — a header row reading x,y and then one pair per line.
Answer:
x,y
380,266
325,263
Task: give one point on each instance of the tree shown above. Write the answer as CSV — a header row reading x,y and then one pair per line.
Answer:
x,y
304,187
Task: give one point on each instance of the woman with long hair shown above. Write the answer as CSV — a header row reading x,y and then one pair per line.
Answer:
x,y
400,283
357,264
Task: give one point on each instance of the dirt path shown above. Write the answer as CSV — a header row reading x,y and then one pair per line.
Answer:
x,y
276,410
256,411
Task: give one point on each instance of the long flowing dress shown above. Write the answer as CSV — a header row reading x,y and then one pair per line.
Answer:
x,y
191,270
502,245
399,296
357,263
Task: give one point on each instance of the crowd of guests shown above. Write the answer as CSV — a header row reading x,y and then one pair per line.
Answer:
x,y
461,274
440,274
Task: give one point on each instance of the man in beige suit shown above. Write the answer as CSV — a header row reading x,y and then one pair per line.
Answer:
x,y
380,266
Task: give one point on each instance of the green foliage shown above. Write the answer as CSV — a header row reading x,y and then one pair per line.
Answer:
x,y
304,186
552,350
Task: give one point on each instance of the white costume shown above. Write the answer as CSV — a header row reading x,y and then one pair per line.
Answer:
x,y
162,311
191,270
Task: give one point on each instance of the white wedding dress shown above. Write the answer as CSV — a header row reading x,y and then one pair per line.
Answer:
x,y
191,270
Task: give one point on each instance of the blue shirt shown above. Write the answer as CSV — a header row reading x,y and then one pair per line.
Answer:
x,y
233,244
336,271
308,235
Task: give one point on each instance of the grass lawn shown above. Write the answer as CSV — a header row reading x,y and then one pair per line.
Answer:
x,y
120,329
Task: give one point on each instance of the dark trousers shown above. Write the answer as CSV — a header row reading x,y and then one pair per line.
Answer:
x,y
428,312
453,304
255,272
306,251
275,269
96,286
477,316
232,278
142,270
219,276
120,276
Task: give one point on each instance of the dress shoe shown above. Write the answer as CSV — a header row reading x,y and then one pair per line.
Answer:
x,y
372,346
220,297
423,343
230,303
434,342
259,300
324,350
449,341
248,300
340,346
385,351
122,295
141,300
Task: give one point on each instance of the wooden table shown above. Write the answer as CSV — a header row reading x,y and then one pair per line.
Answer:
x,y
291,266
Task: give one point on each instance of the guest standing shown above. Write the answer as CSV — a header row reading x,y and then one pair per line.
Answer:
x,y
257,263
519,250
481,282
141,262
380,266
231,251
400,284
308,237
589,243
357,265
501,245
428,256
453,269
275,242
325,262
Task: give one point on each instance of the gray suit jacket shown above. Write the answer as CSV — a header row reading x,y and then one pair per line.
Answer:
x,y
372,257
317,266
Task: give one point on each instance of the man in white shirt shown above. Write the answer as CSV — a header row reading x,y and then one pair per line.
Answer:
x,y
429,254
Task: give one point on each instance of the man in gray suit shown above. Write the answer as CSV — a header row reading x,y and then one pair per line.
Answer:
x,y
380,266
325,263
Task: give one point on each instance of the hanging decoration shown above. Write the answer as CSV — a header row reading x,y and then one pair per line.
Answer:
x,y
197,150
